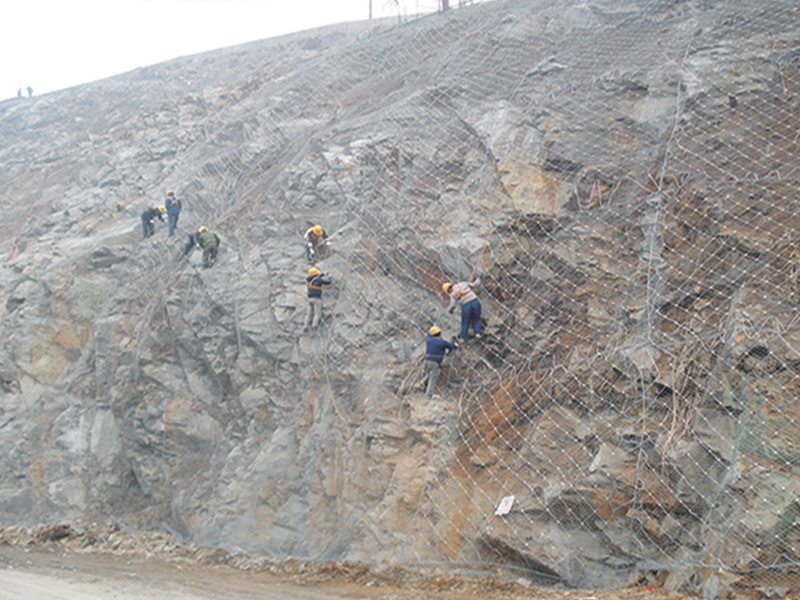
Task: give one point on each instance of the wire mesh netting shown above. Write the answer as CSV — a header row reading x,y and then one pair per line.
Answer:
x,y
622,177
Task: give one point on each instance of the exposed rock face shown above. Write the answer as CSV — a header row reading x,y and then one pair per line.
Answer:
x,y
622,174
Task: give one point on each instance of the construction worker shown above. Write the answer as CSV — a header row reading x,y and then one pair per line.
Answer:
x,y
435,349
470,305
173,206
208,241
316,243
314,283
148,220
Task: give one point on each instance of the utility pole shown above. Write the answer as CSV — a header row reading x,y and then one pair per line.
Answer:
x,y
445,5
370,10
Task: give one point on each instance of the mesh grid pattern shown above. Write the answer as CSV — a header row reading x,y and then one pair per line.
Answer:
x,y
622,175
635,236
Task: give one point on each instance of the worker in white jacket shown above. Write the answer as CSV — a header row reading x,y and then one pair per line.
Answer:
x,y
464,293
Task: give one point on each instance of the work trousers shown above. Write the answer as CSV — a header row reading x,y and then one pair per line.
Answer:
x,y
148,227
316,250
470,315
172,222
313,313
433,368
209,254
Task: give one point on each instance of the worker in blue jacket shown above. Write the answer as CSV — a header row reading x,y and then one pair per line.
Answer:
x,y
173,205
435,349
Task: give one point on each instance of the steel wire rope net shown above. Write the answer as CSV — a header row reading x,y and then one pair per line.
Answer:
x,y
626,175
602,396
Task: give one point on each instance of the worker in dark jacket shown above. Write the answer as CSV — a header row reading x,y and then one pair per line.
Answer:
x,y
435,349
208,241
316,243
149,218
314,283
173,205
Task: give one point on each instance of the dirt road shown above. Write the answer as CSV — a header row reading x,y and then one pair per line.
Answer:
x,y
39,576
28,575
101,562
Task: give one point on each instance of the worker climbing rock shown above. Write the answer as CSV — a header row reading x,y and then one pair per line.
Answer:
x,y
316,243
149,218
435,349
208,241
173,205
314,283
464,294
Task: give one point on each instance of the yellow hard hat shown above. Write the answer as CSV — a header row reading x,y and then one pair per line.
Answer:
x,y
317,230
170,193
161,209
434,330
313,271
203,229
446,287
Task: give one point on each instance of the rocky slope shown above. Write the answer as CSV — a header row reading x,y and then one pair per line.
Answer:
x,y
623,176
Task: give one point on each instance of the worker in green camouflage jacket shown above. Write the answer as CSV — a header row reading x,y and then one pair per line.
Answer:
x,y
208,241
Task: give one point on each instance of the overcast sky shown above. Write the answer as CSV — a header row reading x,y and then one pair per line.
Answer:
x,y
54,44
